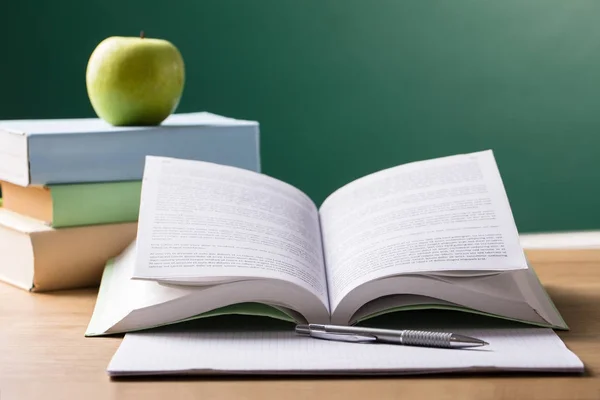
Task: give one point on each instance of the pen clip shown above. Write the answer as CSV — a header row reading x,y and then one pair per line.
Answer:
x,y
344,337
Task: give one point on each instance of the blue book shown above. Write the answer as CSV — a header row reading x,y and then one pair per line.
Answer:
x,y
42,152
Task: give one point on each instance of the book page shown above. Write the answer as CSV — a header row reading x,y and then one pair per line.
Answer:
x,y
125,304
446,214
203,220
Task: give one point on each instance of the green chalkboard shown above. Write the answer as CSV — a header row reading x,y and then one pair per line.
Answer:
x,y
344,88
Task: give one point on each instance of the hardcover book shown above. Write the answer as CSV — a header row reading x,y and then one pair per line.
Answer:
x,y
76,204
42,152
38,258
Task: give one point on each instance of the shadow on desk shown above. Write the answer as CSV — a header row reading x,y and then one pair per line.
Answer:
x,y
579,307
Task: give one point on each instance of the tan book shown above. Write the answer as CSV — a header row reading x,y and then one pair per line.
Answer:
x,y
36,257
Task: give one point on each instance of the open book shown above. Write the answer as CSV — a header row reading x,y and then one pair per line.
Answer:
x,y
214,239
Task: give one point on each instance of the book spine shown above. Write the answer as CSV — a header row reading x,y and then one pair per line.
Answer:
x,y
75,258
120,156
95,203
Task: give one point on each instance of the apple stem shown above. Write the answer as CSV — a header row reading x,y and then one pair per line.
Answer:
x,y
142,34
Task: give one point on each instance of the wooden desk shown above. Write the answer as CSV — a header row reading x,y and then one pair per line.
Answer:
x,y
44,355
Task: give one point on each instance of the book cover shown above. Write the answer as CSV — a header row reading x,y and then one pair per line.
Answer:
x,y
38,258
79,204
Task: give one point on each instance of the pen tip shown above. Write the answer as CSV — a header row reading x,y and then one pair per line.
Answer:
x,y
466,341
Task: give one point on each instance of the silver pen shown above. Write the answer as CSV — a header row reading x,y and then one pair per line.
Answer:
x,y
402,337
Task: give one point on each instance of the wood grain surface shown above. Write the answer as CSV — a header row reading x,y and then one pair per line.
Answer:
x,y
44,355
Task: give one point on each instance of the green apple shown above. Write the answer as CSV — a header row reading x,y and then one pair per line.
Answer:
x,y
135,80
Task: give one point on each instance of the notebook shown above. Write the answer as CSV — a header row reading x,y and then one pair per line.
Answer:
x,y
283,352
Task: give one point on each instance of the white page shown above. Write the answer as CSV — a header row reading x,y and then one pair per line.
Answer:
x,y
121,295
90,125
125,305
204,220
445,214
527,349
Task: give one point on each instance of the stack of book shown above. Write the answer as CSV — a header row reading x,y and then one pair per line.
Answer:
x,y
71,188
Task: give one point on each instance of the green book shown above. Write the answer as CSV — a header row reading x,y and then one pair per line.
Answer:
x,y
217,240
69,205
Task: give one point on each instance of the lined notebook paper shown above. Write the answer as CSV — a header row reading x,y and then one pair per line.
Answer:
x,y
151,353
